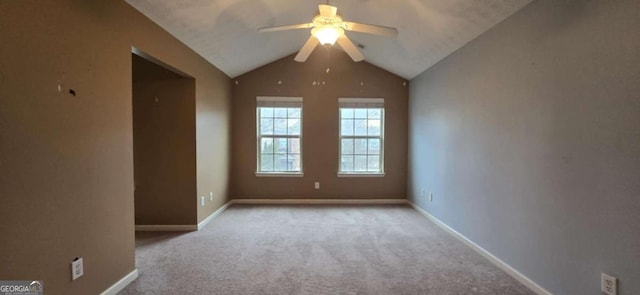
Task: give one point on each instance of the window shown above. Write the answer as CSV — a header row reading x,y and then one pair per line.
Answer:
x,y
279,129
361,136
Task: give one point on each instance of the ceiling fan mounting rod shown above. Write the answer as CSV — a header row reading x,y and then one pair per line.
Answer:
x,y
328,21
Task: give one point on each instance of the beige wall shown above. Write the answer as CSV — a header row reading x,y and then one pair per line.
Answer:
x,y
320,127
164,145
66,162
213,140
529,138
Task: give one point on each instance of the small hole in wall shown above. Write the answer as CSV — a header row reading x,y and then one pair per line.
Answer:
x,y
72,92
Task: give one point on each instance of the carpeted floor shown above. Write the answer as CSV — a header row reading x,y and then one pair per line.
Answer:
x,y
315,250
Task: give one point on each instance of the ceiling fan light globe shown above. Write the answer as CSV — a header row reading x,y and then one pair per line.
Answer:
x,y
327,34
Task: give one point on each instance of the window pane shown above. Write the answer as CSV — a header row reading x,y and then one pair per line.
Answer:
x,y
373,164
360,113
293,112
280,163
346,127
361,154
347,146
293,163
360,146
280,112
293,126
373,127
266,146
374,113
360,163
360,127
346,163
266,163
266,112
294,146
280,145
346,113
266,126
280,127
374,146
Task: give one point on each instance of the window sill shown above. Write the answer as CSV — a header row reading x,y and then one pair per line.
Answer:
x,y
342,174
279,174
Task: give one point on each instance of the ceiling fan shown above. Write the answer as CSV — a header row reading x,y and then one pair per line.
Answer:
x,y
327,28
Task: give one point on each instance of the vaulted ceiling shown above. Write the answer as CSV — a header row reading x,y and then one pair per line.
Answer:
x,y
225,31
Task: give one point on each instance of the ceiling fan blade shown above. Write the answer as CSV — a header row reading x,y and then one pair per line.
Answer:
x,y
306,50
350,48
327,11
371,29
282,28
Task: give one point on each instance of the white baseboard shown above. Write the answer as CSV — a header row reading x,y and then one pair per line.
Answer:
x,y
486,254
167,227
320,201
121,284
213,215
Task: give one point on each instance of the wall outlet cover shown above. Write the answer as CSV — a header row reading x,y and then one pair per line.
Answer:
x,y
77,268
210,196
608,284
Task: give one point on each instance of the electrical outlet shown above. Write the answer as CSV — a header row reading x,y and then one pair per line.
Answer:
x,y
430,197
608,284
77,269
210,196
317,185
202,201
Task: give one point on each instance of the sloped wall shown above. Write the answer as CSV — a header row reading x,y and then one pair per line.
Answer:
x,y
285,77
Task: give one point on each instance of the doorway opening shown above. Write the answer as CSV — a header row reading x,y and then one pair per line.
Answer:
x,y
164,144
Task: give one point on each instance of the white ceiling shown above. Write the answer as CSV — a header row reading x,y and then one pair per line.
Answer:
x,y
224,31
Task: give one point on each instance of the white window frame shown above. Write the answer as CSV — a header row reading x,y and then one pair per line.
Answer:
x,y
275,102
366,103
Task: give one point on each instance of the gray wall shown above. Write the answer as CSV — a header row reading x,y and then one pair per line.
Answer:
x,y
529,138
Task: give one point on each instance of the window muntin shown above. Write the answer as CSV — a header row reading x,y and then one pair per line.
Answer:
x,y
361,137
279,135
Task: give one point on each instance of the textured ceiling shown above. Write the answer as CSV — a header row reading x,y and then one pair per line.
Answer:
x,y
224,31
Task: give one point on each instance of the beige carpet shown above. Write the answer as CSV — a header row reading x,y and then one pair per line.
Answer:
x,y
315,250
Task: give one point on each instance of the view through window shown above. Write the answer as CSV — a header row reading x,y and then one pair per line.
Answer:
x,y
279,134
361,136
